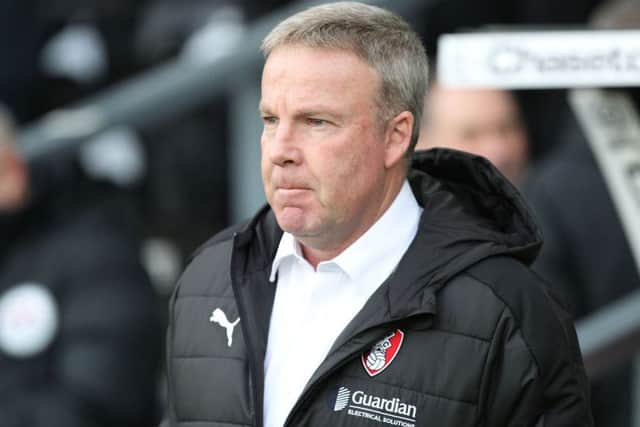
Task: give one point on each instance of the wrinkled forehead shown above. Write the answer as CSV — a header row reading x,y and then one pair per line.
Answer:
x,y
290,52
317,73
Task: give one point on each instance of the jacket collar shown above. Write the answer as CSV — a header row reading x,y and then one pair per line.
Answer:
x,y
470,212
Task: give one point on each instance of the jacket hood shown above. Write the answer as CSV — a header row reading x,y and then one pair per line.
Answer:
x,y
471,212
468,192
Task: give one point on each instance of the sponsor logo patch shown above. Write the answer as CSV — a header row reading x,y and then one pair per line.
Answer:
x,y
382,353
342,399
357,403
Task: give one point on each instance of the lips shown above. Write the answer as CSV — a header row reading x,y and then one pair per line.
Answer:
x,y
287,185
291,187
290,193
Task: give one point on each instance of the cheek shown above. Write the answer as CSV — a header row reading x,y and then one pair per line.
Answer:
x,y
350,175
266,169
329,172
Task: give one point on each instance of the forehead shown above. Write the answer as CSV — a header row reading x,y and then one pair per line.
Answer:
x,y
303,71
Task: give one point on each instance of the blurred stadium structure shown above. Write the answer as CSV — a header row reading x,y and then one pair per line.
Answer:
x,y
608,337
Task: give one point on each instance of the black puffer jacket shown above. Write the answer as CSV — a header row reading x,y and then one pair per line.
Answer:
x,y
484,344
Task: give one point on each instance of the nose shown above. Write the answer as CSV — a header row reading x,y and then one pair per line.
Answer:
x,y
280,144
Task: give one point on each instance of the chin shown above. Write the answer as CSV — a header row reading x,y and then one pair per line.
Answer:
x,y
292,217
298,230
290,224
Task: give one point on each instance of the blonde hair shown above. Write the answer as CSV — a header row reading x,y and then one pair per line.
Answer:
x,y
380,38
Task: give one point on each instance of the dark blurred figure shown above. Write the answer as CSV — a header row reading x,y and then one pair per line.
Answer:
x,y
437,17
79,326
586,253
486,122
54,53
20,42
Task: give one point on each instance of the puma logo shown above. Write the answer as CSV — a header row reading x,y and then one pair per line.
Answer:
x,y
220,318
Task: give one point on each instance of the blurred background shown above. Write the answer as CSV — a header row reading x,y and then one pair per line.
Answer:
x,y
129,134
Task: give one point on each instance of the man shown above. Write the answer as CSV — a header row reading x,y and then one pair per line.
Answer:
x,y
79,326
486,122
358,296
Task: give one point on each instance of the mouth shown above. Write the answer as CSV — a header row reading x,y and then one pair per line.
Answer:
x,y
291,191
292,187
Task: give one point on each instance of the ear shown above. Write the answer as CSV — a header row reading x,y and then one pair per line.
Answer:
x,y
398,138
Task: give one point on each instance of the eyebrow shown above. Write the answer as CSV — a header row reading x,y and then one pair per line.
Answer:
x,y
262,109
306,112
316,112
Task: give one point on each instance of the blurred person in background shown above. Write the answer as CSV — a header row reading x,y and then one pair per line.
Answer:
x,y
486,122
587,257
539,107
80,339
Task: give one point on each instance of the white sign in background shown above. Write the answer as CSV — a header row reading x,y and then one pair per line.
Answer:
x,y
545,59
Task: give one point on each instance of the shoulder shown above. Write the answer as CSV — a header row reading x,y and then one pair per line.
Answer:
x,y
219,239
209,267
507,291
532,364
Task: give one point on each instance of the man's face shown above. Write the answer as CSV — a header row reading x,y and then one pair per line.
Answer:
x,y
323,150
483,122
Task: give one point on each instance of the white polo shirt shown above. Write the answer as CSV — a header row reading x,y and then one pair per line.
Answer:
x,y
312,308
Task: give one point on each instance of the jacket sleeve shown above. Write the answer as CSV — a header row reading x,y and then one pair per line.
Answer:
x,y
103,365
536,381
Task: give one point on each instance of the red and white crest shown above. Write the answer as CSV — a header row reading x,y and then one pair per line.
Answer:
x,y
382,353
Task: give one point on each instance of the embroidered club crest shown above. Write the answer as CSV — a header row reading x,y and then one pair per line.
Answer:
x,y
382,353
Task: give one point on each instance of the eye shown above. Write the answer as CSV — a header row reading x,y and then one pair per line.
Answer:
x,y
316,122
269,120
